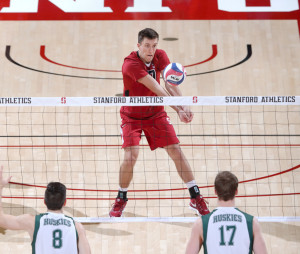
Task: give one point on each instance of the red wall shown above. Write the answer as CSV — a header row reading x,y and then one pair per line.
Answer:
x,y
179,9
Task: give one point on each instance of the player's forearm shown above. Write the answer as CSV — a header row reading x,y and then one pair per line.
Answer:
x,y
160,91
1,209
4,218
173,90
177,108
2,215
153,85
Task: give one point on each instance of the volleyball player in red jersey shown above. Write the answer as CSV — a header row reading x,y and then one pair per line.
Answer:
x,y
141,77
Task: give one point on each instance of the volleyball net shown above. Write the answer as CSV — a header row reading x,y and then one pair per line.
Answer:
x,y
77,141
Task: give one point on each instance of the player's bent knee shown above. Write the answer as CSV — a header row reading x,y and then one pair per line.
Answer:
x,y
173,150
131,154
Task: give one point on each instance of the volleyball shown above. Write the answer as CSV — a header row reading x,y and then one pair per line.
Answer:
x,y
174,74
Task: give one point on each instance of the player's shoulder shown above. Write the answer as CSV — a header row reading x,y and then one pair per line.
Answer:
x,y
247,215
160,53
199,222
161,59
132,60
132,57
79,227
255,222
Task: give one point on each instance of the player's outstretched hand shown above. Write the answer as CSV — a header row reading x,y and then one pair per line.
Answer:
x,y
3,182
188,112
185,115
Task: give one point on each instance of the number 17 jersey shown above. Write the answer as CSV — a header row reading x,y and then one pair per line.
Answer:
x,y
227,230
54,233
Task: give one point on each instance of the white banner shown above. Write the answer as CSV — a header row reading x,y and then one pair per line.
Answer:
x,y
149,101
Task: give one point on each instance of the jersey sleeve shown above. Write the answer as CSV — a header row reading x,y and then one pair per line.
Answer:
x,y
163,60
133,70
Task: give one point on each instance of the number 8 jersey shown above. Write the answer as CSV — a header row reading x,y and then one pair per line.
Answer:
x,y
227,230
54,233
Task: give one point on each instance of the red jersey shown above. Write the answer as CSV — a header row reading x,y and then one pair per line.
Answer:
x,y
133,69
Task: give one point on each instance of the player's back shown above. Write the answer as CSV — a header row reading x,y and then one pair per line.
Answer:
x,y
54,233
227,230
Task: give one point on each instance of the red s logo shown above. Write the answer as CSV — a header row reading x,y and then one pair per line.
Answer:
x,y
195,99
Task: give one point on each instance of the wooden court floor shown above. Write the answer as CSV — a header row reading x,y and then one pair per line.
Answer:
x,y
273,69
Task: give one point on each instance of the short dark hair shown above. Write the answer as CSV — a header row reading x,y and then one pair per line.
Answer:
x,y
55,195
148,33
226,185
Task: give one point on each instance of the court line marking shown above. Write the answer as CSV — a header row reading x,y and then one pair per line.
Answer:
x,y
175,189
213,55
43,55
248,56
147,198
8,56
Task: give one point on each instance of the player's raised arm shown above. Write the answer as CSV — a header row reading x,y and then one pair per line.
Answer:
x,y
22,222
83,244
